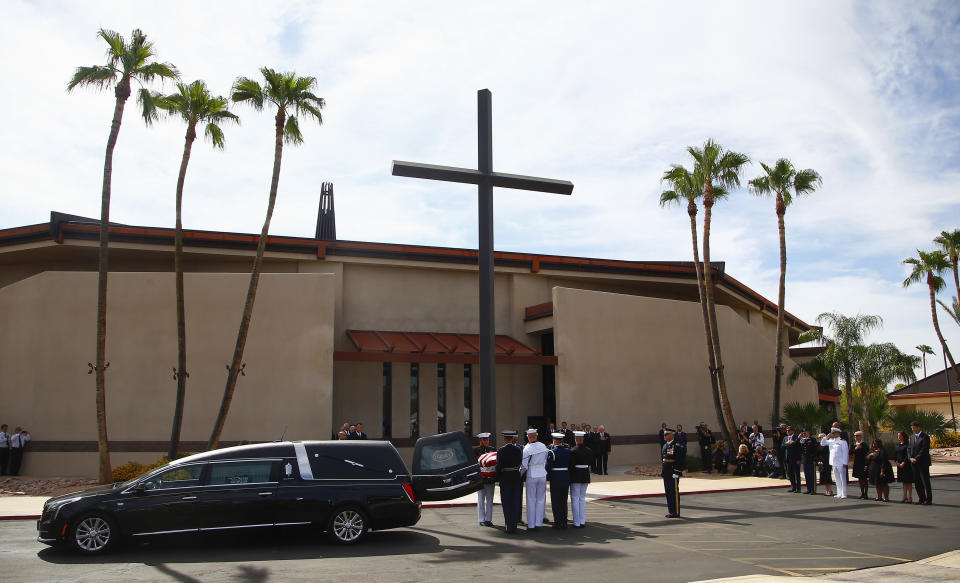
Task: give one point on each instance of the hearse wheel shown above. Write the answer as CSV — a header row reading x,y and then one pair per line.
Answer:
x,y
347,525
93,534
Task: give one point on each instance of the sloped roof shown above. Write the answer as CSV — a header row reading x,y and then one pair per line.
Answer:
x,y
935,383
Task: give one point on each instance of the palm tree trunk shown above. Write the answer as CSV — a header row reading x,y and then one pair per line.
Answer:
x,y
234,370
848,391
712,311
181,375
865,412
105,472
954,258
943,343
781,302
692,211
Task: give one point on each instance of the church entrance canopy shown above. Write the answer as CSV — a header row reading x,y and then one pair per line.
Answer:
x,y
392,346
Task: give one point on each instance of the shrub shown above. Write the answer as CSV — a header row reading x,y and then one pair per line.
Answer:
x,y
949,439
131,470
809,415
694,463
933,423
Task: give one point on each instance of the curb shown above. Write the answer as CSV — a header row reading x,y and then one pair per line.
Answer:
x,y
21,517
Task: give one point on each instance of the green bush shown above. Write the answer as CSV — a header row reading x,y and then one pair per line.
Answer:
x,y
933,423
809,415
949,439
131,470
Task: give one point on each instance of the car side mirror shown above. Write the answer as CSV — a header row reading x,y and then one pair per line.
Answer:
x,y
140,488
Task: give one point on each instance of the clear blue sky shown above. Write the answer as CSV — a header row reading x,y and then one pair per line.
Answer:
x,y
606,95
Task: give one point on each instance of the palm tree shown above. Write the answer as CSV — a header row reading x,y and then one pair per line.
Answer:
x,y
953,310
949,243
688,187
840,355
928,266
717,168
289,93
126,62
876,366
195,105
785,182
924,351
809,415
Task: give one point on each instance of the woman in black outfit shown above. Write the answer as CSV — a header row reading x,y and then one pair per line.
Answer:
x,y
826,470
743,461
904,469
879,470
860,451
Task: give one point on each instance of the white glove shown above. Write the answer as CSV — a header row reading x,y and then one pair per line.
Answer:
x,y
676,476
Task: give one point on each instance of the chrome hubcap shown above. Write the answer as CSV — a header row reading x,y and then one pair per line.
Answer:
x,y
93,534
348,525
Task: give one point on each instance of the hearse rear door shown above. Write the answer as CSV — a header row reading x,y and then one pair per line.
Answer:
x,y
444,467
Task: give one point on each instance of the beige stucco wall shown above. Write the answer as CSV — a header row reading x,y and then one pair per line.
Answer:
x,y
938,404
48,339
633,362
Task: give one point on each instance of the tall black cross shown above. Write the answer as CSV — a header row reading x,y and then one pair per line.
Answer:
x,y
485,178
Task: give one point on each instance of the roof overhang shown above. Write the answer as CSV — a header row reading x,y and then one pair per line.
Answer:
x,y
435,347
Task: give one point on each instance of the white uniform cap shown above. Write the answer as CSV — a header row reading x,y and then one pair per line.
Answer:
x,y
557,435
483,435
531,431
579,433
837,429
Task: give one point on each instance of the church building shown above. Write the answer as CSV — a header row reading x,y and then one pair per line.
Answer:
x,y
349,331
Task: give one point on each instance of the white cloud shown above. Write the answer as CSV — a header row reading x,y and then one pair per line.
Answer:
x,y
606,95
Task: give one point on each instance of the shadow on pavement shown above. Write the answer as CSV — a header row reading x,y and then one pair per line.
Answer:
x,y
548,548
269,546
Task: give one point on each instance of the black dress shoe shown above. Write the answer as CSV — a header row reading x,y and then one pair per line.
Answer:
x,y
672,516
928,503
488,523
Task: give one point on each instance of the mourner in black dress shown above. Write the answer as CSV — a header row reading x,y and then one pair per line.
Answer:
x,y
904,468
881,474
860,450
826,470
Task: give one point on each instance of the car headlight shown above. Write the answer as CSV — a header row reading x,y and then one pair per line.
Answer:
x,y
58,504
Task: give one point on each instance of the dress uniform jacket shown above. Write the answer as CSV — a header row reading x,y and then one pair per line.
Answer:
x,y
509,458
581,459
558,474
479,451
673,460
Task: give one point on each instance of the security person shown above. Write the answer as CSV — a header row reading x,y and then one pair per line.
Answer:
x,y
509,457
581,458
558,473
485,495
673,456
809,454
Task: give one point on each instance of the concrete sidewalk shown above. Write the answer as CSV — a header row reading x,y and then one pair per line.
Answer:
x,y
617,485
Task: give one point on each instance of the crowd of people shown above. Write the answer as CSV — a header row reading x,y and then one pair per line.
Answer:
x,y
826,459
12,446
351,431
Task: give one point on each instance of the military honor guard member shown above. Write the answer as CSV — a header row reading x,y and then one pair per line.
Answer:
x,y
809,453
558,473
581,459
839,459
507,469
487,458
534,466
673,458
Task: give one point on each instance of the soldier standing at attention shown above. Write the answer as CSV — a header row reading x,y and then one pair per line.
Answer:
x,y
673,456
580,460
534,465
511,484
487,457
809,453
558,472
790,444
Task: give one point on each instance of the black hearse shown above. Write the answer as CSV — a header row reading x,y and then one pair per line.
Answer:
x,y
343,487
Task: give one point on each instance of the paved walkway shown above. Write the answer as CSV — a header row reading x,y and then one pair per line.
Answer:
x,y
620,485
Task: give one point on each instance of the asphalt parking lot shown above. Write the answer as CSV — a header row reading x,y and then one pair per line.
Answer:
x,y
721,535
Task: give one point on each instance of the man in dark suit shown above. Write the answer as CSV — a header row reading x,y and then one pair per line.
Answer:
x,y
680,436
359,432
919,452
567,434
509,457
663,428
604,446
791,455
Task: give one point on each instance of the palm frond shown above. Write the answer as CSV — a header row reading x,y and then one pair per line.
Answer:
x,y
151,104
214,134
291,132
953,311
246,90
150,71
95,76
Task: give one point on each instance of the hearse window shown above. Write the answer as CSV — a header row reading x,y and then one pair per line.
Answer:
x,y
181,477
355,463
441,456
248,472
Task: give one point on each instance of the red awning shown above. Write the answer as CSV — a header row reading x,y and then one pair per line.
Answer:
x,y
385,346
